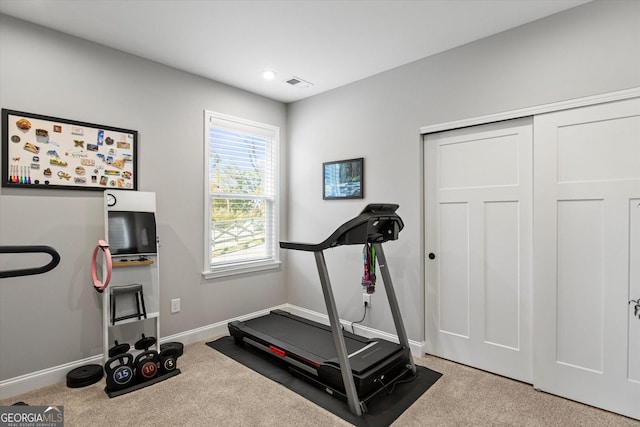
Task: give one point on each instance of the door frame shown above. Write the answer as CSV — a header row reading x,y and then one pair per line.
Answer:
x,y
532,111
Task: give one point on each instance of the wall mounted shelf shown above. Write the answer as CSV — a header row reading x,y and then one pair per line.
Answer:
x,y
131,263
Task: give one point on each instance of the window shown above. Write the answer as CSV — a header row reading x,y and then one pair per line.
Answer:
x,y
241,218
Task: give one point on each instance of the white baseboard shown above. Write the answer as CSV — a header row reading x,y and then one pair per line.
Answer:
x,y
57,374
215,329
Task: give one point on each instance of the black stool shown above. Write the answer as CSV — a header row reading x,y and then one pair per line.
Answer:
x,y
134,288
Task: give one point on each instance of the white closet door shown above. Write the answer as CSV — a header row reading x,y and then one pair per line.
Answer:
x,y
587,254
478,195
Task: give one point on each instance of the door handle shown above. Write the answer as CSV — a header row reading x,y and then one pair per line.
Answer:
x,y
432,255
636,308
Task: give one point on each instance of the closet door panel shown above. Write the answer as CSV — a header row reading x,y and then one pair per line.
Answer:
x,y
478,195
586,256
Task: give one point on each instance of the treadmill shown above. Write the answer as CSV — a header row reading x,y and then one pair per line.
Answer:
x,y
344,364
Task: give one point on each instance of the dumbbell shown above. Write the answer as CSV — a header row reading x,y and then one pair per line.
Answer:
x,y
169,359
119,368
173,344
169,354
118,349
146,363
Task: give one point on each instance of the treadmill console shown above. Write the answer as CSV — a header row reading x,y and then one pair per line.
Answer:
x,y
380,208
377,223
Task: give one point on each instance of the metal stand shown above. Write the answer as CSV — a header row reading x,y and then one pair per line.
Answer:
x,y
338,338
355,405
393,301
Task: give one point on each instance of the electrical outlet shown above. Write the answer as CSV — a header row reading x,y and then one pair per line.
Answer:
x,y
366,298
175,305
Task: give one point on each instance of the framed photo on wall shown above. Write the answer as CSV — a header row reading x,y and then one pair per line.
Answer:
x,y
49,152
343,179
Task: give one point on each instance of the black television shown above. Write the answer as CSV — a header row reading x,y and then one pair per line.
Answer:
x,y
132,233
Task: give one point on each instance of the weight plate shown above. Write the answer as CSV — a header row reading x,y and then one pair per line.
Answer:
x,y
173,344
84,376
144,343
118,349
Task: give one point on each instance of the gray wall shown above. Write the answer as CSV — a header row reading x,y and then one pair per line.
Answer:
x,y
55,318
584,51
51,319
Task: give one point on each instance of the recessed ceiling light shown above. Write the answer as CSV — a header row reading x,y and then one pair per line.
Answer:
x,y
268,74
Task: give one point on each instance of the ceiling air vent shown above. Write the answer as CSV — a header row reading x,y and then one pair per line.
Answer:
x,y
298,82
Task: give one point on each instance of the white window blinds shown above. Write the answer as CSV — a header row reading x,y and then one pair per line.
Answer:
x,y
242,184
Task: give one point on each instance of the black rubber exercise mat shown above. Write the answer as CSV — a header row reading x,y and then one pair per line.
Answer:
x,y
381,411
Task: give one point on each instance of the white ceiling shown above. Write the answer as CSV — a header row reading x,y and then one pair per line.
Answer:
x,y
329,43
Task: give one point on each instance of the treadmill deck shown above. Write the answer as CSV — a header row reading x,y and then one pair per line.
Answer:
x,y
313,341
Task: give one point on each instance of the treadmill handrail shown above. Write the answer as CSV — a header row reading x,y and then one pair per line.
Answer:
x,y
376,223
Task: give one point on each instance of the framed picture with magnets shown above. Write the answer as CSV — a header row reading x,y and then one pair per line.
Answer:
x,y
49,152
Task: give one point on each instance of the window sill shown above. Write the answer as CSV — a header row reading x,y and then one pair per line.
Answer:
x,y
242,268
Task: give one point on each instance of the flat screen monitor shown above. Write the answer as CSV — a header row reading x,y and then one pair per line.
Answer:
x,y
132,233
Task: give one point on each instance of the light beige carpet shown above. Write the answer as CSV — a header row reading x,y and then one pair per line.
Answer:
x,y
214,390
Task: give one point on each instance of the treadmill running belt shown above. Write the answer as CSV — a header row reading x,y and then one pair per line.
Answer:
x,y
312,338
313,342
